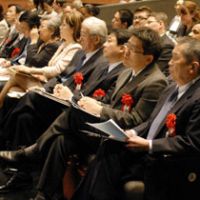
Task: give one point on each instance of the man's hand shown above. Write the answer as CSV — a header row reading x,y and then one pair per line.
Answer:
x,y
62,92
137,143
90,105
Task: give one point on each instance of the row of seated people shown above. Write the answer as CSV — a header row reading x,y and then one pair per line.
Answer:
x,y
67,134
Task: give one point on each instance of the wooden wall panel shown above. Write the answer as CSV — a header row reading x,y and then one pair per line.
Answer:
x,y
23,3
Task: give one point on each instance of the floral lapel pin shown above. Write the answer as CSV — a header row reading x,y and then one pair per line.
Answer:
x,y
99,94
127,102
171,125
78,80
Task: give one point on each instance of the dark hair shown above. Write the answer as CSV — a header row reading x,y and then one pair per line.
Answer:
x,y
122,35
93,10
150,39
17,7
126,16
49,2
1,12
143,8
31,18
61,3
36,3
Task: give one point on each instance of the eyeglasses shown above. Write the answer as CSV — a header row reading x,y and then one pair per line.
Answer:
x,y
139,18
149,22
133,48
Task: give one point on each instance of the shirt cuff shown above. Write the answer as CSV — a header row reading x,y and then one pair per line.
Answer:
x,y
150,147
133,133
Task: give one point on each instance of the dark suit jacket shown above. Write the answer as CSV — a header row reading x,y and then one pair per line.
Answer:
x,y
167,46
7,43
187,124
41,58
145,89
100,78
96,61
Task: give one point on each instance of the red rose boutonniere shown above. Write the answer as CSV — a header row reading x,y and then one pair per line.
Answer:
x,y
99,94
127,102
171,124
78,80
15,52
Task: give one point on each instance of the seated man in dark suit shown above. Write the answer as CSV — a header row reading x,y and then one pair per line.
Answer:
x,y
161,150
67,133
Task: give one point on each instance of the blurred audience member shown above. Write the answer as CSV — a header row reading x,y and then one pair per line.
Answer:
x,y
140,16
58,6
158,22
189,13
12,15
195,32
122,19
3,25
47,7
89,10
17,51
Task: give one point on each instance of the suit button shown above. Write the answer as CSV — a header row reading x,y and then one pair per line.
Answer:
x,y
192,177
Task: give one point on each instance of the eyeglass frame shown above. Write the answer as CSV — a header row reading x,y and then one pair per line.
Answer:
x,y
133,48
140,18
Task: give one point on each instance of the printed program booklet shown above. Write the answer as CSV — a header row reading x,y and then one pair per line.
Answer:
x,y
111,129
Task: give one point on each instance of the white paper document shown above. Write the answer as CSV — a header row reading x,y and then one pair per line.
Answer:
x,y
111,129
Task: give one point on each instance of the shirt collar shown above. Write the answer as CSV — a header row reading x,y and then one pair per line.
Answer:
x,y
113,65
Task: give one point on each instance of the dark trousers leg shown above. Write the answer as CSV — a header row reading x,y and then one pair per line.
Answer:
x,y
51,179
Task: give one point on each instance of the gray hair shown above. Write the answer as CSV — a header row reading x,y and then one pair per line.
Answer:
x,y
96,26
53,24
191,50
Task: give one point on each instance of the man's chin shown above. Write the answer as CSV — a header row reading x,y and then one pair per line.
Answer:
x,y
126,64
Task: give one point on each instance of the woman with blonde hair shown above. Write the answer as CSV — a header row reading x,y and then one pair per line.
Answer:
x,y
189,13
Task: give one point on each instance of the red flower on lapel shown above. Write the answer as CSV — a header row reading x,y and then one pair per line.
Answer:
x,y
15,52
78,80
171,124
99,94
127,102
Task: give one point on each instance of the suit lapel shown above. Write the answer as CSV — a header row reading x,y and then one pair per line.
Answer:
x,y
85,68
179,104
129,87
110,74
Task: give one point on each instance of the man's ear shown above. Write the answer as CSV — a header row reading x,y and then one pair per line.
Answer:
x,y
195,64
195,67
97,39
149,59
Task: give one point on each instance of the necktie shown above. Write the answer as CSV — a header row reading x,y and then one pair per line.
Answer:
x,y
80,64
169,103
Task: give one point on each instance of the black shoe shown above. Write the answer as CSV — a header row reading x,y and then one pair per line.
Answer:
x,y
18,181
12,156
